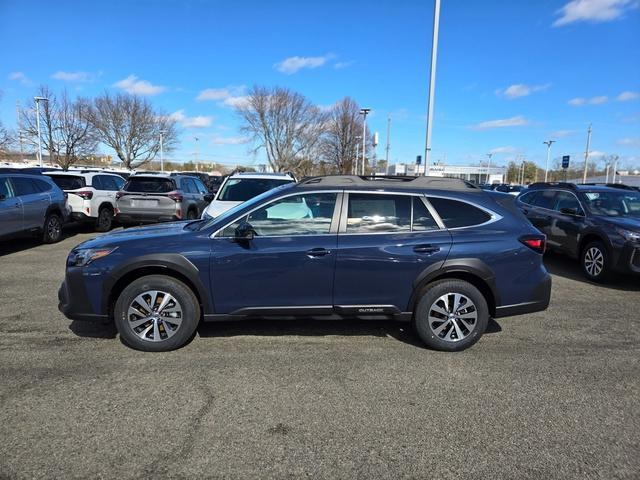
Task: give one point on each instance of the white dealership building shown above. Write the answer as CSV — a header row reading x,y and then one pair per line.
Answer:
x,y
475,174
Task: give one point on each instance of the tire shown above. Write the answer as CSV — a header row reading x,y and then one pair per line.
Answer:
x,y
104,222
595,261
168,333
451,334
52,228
192,214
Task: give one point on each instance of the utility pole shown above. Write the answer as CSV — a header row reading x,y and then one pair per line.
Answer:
x,y
615,168
38,100
548,143
364,112
161,152
432,84
586,155
196,152
354,167
386,157
488,167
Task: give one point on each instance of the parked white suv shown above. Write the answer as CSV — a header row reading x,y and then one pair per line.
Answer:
x,y
240,187
92,195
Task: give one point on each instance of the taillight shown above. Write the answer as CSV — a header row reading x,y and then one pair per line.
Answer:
x,y
175,196
84,194
537,243
119,195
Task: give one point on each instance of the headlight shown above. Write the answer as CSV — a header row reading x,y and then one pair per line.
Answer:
x,y
80,258
628,235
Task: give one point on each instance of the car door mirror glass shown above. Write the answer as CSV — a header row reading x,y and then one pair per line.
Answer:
x,y
245,232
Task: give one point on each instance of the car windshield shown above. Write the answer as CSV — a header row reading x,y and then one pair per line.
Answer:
x,y
243,189
614,204
68,182
149,185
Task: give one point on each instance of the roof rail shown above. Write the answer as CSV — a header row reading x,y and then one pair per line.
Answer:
x,y
443,183
572,186
621,186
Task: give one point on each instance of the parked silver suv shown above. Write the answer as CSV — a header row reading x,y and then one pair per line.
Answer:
x,y
150,198
31,204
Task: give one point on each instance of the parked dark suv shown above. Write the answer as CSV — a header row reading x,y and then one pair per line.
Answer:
x,y
31,203
439,252
597,224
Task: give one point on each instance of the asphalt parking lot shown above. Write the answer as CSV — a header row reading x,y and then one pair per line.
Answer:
x,y
548,395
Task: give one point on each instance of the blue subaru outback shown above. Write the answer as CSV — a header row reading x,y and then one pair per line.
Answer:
x,y
437,252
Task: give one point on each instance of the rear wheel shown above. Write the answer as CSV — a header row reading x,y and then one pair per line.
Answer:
x,y
156,313
104,222
595,261
52,229
451,315
192,214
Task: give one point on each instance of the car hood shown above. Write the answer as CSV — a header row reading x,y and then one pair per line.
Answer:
x,y
629,223
217,208
155,231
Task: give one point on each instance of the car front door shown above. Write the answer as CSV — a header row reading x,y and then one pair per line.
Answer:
x,y
289,264
568,222
384,242
10,209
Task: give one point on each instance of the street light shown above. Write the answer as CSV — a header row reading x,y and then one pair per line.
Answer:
x,y
489,167
38,100
364,112
162,132
432,83
354,167
548,144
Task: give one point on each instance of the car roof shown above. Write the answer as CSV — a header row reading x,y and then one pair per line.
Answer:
x,y
271,176
155,175
79,173
391,182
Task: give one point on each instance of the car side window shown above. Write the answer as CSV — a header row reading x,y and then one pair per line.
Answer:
x,y
376,213
528,198
118,182
97,183
545,199
188,186
567,200
456,214
422,219
5,188
24,186
200,188
305,214
41,185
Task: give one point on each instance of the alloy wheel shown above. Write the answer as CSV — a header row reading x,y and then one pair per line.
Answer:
x,y
452,317
594,261
53,227
154,315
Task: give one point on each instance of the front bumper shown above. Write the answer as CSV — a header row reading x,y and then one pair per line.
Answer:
x,y
73,301
628,259
539,302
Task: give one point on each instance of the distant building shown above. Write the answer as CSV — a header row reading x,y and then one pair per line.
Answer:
x,y
475,174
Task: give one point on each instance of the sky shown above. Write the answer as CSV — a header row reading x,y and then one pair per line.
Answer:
x,y
510,74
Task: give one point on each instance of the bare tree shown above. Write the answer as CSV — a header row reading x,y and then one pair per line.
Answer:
x,y
66,132
131,127
6,137
285,124
342,143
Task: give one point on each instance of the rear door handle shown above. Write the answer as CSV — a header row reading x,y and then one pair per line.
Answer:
x,y
426,249
318,252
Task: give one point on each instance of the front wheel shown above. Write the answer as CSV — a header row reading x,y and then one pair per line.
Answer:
x,y
156,313
451,315
595,261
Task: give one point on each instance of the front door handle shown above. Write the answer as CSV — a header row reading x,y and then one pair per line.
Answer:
x,y
428,249
318,252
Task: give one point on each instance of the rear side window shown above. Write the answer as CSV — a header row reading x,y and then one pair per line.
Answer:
x,y
149,185
371,213
24,186
528,197
5,188
456,214
422,219
68,182
200,186
545,199
41,185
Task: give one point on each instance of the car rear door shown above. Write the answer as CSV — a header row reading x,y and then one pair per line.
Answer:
x,y
288,267
34,202
384,242
566,227
539,209
11,220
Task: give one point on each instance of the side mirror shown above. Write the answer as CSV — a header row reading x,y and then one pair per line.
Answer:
x,y
208,197
244,232
569,211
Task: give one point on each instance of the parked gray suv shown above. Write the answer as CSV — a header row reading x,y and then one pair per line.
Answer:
x,y
150,198
31,204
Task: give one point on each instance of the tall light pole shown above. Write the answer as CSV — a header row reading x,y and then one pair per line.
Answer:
x,y
489,167
615,167
586,155
354,167
162,132
386,157
432,83
38,100
548,143
364,112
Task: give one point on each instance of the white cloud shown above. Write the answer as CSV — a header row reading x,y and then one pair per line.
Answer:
x,y
236,102
518,121
341,65
292,65
596,153
20,77
217,140
231,96
561,133
506,150
593,11
72,76
628,96
200,121
134,86
580,101
520,90
629,142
